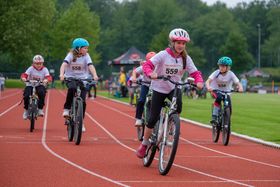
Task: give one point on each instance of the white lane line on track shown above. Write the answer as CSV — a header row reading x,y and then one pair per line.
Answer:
x,y
190,181
64,159
203,147
9,109
177,165
229,155
4,97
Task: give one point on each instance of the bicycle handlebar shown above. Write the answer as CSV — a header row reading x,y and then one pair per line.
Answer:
x,y
68,79
168,78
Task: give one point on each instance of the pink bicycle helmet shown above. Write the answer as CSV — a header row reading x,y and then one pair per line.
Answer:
x,y
149,55
179,34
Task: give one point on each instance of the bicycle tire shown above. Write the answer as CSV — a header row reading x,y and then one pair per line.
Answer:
x,y
151,151
167,157
215,132
78,123
226,126
32,122
140,132
70,130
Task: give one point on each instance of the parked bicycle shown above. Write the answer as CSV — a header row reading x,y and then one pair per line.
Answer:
x,y
224,119
75,120
165,136
33,103
146,112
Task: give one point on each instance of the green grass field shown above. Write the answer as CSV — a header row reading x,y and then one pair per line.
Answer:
x,y
254,115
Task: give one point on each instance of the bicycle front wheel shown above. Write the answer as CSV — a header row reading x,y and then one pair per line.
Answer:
x,y
226,126
70,129
78,123
32,121
169,147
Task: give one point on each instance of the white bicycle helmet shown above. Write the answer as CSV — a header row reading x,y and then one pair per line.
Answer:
x,y
38,58
179,34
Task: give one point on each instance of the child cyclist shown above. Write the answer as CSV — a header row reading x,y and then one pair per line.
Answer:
x,y
144,89
36,72
173,62
76,64
221,79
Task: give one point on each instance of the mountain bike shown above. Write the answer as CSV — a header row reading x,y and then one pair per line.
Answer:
x,y
75,120
146,112
165,136
224,119
33,103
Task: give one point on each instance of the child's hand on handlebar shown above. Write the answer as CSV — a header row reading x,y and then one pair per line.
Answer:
x,y
61,77
153,75
199,85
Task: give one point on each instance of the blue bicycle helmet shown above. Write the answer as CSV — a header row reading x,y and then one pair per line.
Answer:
x,y
79,42
225,61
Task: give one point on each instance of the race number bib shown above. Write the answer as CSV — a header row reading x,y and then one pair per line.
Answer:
x,y
171,69
76,68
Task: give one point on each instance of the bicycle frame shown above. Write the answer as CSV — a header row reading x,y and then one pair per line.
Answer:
x,y
33,103
224,119
169,120
75,121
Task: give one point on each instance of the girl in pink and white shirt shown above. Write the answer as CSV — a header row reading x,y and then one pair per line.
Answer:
x,y
35,72
173,62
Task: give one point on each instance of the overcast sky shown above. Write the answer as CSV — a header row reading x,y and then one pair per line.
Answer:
x,y
229,3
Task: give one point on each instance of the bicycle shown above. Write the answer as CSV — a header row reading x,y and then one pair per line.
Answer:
x,y
165,136
33,103
134,94
146,112
75,120
224,119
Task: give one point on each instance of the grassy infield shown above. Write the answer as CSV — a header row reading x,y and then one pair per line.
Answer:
x,y
255,115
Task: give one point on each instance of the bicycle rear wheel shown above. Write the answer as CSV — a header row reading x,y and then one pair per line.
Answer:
x,y
226,126
151,151
78,123
168,149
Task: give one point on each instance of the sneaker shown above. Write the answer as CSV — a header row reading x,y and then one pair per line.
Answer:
x,y
41,112
25,114
83,129
65,113
138,123
141,151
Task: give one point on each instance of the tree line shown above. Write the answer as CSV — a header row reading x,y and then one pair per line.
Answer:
x,y
48,27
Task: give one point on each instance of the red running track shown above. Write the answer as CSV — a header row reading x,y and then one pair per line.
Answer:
x,y
106,155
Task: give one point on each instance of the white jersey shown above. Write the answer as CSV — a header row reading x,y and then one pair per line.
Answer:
x,y
78,69
167,65
223,82
34,74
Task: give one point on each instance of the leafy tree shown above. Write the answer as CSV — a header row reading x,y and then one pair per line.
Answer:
x,y
211,31
75,22
24,27
237,49
271,48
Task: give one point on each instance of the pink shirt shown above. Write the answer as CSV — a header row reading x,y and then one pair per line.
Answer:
x,y
165,63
